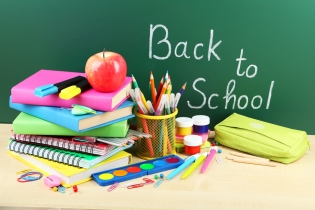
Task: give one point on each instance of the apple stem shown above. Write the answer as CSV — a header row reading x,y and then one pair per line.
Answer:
x,y
104,53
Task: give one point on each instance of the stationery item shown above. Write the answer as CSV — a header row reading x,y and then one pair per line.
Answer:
x,y
189,160
111,188
146,181
248,156
23,92
63,156
52,181
75,90
81,110
67,143
211,153
161,93
144,101
194,165
159,88
262,139
250,161
55,88
141,106
151,109
71,175
176,100
219,161
136,170
134,82
152,85
192,144
160,107
183,89
161,128
28,124
27,177
183,126
201,123
81,123
172,104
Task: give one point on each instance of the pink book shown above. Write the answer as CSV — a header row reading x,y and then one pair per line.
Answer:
x,y
24,92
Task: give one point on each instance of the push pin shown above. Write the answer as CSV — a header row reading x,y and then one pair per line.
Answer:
x,y
75,188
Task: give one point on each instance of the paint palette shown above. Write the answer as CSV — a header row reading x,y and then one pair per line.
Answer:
x,y
132,171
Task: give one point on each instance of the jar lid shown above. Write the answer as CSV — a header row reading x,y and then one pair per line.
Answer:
x,y
201,120
192,140
184,122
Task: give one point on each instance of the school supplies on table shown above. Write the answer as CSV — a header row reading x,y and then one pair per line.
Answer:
x,y
48,89
71,175
261,139
63,156
189,160
120,174
28,124
78,123
67,143
254,161
23,92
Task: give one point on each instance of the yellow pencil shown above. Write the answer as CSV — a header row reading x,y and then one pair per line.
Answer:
x,y
144,101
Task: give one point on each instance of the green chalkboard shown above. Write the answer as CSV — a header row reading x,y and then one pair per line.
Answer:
x,y
256,58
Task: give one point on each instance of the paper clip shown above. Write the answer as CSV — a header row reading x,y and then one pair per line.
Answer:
x,y
158,183
81,110
113,186
146,181
219,160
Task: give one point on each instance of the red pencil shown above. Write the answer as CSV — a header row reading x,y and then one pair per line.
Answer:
x,y
153,94
161,93
159,88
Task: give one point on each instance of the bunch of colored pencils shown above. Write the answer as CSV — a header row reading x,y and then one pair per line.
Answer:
x,y
163,101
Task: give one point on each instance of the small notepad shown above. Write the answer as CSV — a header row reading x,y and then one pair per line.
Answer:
x,y
63,156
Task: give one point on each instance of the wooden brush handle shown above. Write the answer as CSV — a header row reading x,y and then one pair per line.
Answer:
x,y
250,161
248,156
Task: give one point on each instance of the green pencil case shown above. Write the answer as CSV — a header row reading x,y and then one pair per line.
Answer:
x,y
262,139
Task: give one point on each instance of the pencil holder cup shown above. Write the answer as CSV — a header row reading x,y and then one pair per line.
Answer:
x,y
162,130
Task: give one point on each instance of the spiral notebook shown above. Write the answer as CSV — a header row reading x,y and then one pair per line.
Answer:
x,y
66,142
63,156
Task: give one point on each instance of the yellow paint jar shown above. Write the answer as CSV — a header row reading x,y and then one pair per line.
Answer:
x,y
183,126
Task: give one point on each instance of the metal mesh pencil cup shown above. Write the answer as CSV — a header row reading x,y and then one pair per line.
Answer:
x,y
162,129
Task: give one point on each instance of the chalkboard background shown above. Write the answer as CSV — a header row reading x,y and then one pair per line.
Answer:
x,y
277,39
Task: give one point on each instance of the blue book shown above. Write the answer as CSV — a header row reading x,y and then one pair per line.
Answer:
x,y
78,123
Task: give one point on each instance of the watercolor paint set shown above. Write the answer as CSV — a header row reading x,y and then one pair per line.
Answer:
x,y
132,171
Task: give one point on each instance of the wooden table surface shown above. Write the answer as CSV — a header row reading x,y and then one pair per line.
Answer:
x,y
228,186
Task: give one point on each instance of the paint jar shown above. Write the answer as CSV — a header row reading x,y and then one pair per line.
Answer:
x,y
201,123
192,144
183,126
163,138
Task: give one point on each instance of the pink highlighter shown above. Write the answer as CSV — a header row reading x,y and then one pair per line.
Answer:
x,y
211,153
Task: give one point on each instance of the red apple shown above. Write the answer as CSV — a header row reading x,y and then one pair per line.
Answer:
x,y
106,71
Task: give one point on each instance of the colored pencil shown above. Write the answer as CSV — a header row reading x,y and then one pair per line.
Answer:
x,y
153,94
183,89
161,93
159,89
134,82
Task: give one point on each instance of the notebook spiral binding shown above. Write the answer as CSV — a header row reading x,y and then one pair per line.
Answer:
x,y
66,143
21,148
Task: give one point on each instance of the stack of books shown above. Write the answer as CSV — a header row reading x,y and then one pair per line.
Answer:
x,y
49,138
